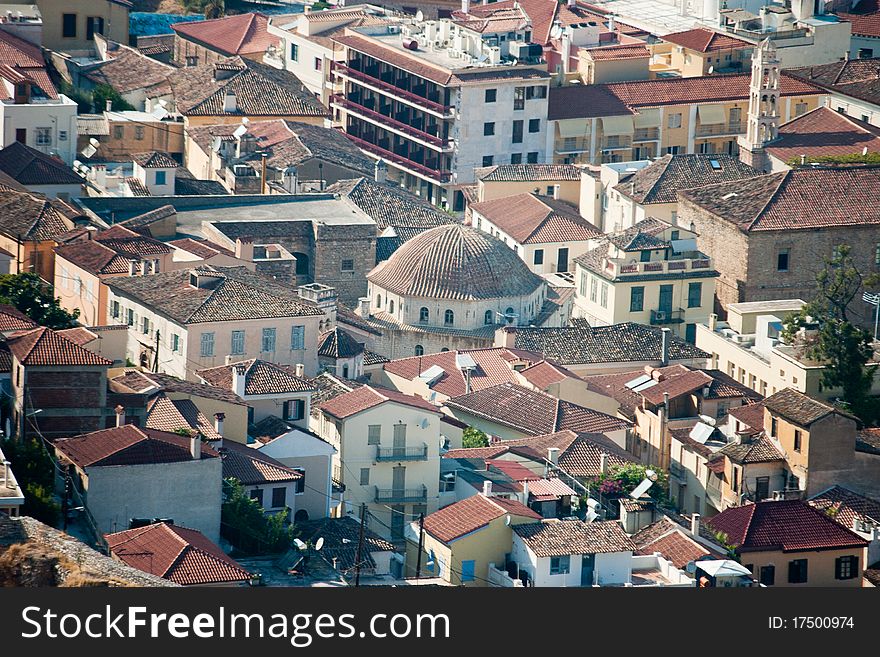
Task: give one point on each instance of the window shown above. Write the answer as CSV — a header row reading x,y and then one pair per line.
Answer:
x,y
797,571
68,26
279,497
391,306
318,64
268,342
594,285
877,256
637,299
374,434
300,485
139,132
866,53
489,317
294,409
118,132
532,158
604,299
774,427
536,92
489,129
365,476
175,342
347,265
846,567
516,158
419,350
449,318
467,571
673,150
491,95
207,345
145,325
674,120
130,317
237,346
735,483
800,108
690,334
797,440
160,177
44,136
294,52
768,575
782,257
519,98
423,315
94,25
517,132
534,125
539,256
560,565
258,496
695,295
487,160
114,306
297,337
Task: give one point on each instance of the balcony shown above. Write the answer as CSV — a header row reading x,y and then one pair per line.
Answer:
x,y
402,453
573,145
720,129
616,142
434,175
663,316
646,134
362,108
618,268
677,470
393,90
402,495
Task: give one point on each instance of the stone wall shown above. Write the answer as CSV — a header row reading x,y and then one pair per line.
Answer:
x,y
335,243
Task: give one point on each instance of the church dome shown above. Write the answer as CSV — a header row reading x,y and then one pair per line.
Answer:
x,y
455,262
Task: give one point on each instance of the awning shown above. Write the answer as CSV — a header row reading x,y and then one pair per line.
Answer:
x,y
617,125
649,117
573,127
711,114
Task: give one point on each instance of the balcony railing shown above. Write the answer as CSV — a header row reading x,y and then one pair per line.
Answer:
x,y
617,268
388,122
392,89
402,495
646,134
402,453
406,163
616,142
712,130
663,316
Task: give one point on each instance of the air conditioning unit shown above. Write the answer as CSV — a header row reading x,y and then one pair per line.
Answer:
x,y
660,315
394,29
778,495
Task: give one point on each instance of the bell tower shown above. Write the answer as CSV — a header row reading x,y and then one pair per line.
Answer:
x,y
763,123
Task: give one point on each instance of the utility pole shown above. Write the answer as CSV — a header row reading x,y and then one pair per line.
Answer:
x,y
357,566
156,355
421,544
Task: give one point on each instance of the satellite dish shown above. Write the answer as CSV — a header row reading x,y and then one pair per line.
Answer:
x,y
507,520
641,489
94,142
420,16
711,70
299,544
319,544
691,567
88,151
239,131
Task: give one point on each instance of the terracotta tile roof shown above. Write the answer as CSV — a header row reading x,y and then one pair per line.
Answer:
x,y
516,471
155,160
150,382
29,166
660,181
858,78
553,488
868,440
240,34
372,358
670,540
341,537
556,538
847,506
455,262
176,553
260,378
533,219
366,397
12,319
43,346
143,221
78,335
129,70
110,251
584,101
493,20
621,51
580,454
482,453
329,387
338,343
824,132
528,172
136,187
798,407
252,467
345,315
760,450
23,216
533,412
751,415
234,294
865,25
543,374
259,90
471,514
202,248
799,199
164,414
22,58
128,445
702,39
618,343
789,526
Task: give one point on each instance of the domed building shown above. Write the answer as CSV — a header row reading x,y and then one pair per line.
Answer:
x,y
450,288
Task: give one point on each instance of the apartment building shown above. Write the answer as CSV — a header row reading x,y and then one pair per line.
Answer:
x,y
700,51
437,99
848,84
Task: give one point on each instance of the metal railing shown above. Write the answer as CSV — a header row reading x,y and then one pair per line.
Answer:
x,y
663,316
717,129
402,453
401,495
389,122
392,89
406,163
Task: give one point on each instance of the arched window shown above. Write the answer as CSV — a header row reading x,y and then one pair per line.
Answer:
x,y
487,319
420,350
391,306
445,349
423,315
378,301
509,312
449,318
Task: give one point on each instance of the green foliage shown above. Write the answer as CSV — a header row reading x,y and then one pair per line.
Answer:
x,y
245,524
30,295
621,480
104,92
81,97
843,347
35,473
214,9
39,503
853,158
724,541
318,6
472,437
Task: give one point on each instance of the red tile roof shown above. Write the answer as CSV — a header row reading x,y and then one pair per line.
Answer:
x,y
516,471
530,219
847,506
252,467
705,40
789,526
824,132
232,35
176,553
260,377
12,319
751,415
553,538
622,51
165,414
366,397
471,514
29,166
543,374
670,540
23,58
43,346
863,24
128,445
476,452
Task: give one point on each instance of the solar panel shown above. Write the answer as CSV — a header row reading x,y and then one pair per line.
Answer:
x,y
635,383
430,375
641,489
701,432
465,361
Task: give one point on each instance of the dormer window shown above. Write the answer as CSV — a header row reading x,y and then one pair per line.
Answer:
x,y
194,279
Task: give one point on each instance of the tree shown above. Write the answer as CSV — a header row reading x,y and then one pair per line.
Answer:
x,y
621,480
30,295
35,473
214,9
245,524
104,92
472,437
821,330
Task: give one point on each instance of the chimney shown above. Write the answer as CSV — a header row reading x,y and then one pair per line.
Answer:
x,y
556,191
364,306
195,446
487,485
713,322
603,463
572,4
525,487
238,380
108,105
244,248
218,422
300,370
553,455
7,474
465,6
611,25
132,267
229,102
120,415
664,348
380,171
508,337
803,160
566,52
467,381
695,524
